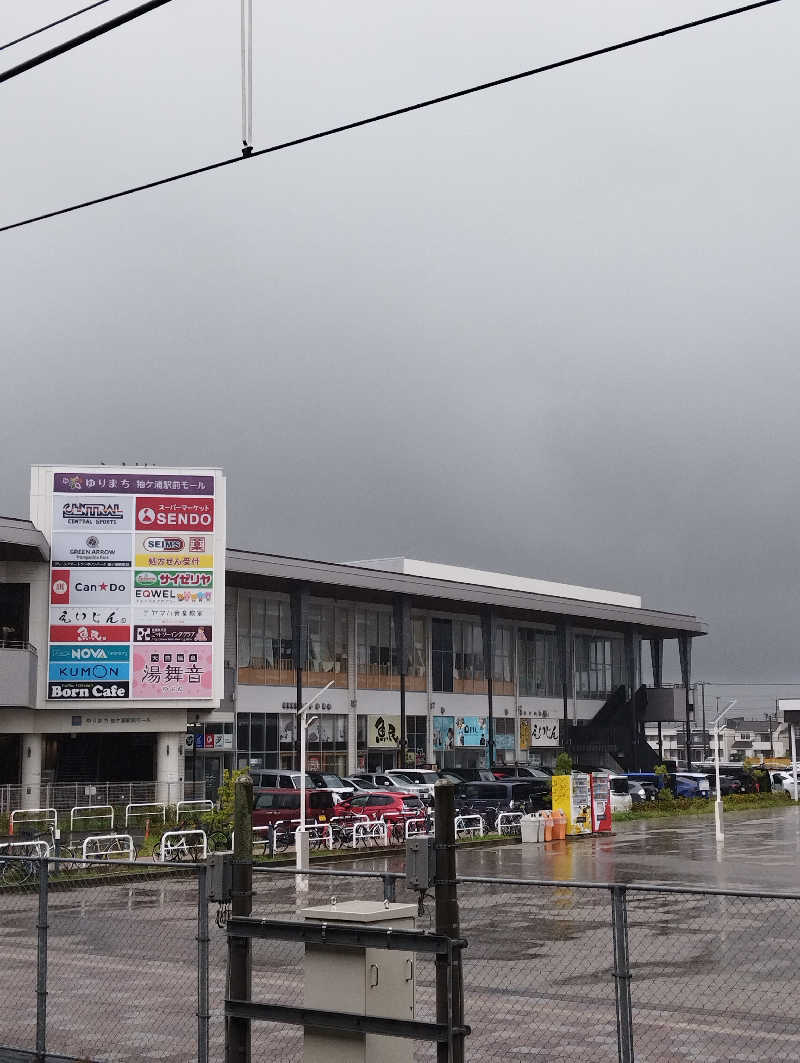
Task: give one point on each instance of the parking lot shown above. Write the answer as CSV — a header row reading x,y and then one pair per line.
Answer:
x,y
713,976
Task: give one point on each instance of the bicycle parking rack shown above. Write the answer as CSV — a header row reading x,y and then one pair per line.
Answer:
x,y
426,827
183,844
509,823
352,936
98,814
128,852
39,847
471,826
147,808
50,815
194,806
317,832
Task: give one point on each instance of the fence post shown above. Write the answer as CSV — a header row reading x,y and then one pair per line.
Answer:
x,y
237,1034
41,964
203,1015
389,887
622,973
449,981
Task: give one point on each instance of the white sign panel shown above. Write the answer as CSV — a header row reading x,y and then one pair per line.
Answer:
x,y
93,513
91,550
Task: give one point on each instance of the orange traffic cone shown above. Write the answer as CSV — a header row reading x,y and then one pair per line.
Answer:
x,y
10,827
147,828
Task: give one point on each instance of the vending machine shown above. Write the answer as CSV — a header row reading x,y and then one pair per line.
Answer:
x,y
601,804
572,796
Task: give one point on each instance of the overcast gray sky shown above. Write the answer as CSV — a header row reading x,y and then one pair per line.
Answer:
x,y
550,329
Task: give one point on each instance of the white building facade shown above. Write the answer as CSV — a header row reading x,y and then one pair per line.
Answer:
x,y
459,667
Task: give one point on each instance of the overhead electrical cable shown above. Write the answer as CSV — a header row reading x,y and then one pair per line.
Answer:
x,y
371,120
82,38
50,25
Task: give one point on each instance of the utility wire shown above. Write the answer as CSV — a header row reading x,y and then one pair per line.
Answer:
x,y
49,26
388,114
82,38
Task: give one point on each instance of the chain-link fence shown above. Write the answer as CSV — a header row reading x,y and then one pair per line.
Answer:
x,y
113,951
112,963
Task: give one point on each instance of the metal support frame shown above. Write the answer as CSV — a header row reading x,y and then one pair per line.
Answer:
x,y
449,978
622,973
41,963
203,1009
240,972
685,654
488,633
447,1031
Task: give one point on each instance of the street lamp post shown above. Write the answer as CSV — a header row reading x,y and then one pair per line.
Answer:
x,y
301,846
718,803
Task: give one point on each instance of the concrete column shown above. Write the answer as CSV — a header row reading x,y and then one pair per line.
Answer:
x,y
169,786
31,774
352,683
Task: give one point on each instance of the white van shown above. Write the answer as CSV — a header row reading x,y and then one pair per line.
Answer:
x,y
621,800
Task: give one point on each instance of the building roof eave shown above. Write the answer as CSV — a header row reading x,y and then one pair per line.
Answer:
x,y
336,575
21,541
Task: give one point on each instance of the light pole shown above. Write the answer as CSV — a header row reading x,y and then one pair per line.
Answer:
x,y
718,803
301,842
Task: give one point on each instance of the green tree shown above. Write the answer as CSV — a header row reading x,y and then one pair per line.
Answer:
x,y
563,764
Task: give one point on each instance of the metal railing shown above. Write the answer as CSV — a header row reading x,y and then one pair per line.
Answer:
x,y
95,812
64,796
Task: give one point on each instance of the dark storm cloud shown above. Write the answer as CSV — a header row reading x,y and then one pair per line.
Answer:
x,y
550,330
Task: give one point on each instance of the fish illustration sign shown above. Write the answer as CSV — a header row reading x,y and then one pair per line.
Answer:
x,y
137,578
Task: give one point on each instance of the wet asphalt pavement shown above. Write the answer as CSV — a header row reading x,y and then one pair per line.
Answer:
x,y
713,977
761,851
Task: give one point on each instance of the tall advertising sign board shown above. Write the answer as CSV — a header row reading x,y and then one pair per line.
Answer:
x,y
137,582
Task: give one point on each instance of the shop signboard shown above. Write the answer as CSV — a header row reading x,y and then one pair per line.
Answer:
x,y
471,731
524,733
136,581
443,733
172,671
91,550
383,732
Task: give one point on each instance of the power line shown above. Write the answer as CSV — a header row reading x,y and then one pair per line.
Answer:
x,y
359,123
49,26
82,38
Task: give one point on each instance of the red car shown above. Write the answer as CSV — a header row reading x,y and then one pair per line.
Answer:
x,y
381,804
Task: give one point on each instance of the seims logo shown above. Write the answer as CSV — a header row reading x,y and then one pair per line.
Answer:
x,y
154,545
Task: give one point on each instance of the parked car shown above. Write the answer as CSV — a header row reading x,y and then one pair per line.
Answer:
x,y
729,784
377,778
416,781
502,795
690,784
361,784
274,805
390,807
650,789
621,800
516,772
329,781
278,780
467,774
637,791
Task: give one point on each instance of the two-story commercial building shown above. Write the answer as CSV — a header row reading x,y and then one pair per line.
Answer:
x,y
455,666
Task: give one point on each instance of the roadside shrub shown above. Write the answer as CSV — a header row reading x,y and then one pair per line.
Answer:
x,y
563,764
